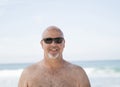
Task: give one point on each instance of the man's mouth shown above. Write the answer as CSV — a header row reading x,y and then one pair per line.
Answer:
x,y
53,50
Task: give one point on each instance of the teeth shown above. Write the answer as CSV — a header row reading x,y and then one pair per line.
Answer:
x,y
53,49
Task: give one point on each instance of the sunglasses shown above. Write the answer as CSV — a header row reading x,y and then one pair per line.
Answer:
x,y
57,40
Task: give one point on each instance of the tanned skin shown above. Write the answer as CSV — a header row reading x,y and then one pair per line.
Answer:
x,y
53,71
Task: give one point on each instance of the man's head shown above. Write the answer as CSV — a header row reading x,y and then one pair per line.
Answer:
x,y
53,42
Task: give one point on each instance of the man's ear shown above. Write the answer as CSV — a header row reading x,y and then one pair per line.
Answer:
x,y
41,43
64,43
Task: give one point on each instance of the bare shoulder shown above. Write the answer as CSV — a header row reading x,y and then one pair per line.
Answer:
x,y
75,68
80,74
27,74
29,69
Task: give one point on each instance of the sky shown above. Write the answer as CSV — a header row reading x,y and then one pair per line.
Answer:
x,y
91,28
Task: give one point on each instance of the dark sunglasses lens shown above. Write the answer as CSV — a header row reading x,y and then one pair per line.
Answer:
x,y
48,40
58,40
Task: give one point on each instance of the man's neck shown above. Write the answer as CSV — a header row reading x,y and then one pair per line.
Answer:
x,y
53,63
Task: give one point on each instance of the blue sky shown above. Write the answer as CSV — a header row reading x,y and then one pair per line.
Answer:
x,y
91,28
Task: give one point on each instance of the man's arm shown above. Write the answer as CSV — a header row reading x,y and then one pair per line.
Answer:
x,y
84,79
23,80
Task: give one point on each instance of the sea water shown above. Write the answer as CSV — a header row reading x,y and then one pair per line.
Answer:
x,y
101,73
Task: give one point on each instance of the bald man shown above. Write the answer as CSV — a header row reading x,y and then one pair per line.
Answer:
x,y
53,70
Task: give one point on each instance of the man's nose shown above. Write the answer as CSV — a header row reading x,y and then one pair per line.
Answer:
x,y
53,43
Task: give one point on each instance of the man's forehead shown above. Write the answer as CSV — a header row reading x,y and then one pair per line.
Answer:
x,y
51,31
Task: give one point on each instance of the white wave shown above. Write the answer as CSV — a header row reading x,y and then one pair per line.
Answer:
x,y
10,73
95,72
9,78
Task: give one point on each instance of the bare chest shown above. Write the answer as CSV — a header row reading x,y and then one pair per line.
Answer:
x,y
52,83
53,80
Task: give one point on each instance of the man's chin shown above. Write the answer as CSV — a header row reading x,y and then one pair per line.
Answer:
x,y
53,56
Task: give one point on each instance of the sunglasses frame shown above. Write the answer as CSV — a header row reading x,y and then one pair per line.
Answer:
x,y
57,40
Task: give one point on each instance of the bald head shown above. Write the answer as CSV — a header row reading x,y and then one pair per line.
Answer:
x,y
52,31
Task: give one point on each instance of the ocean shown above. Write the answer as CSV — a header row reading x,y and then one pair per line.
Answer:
x,y
104,73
